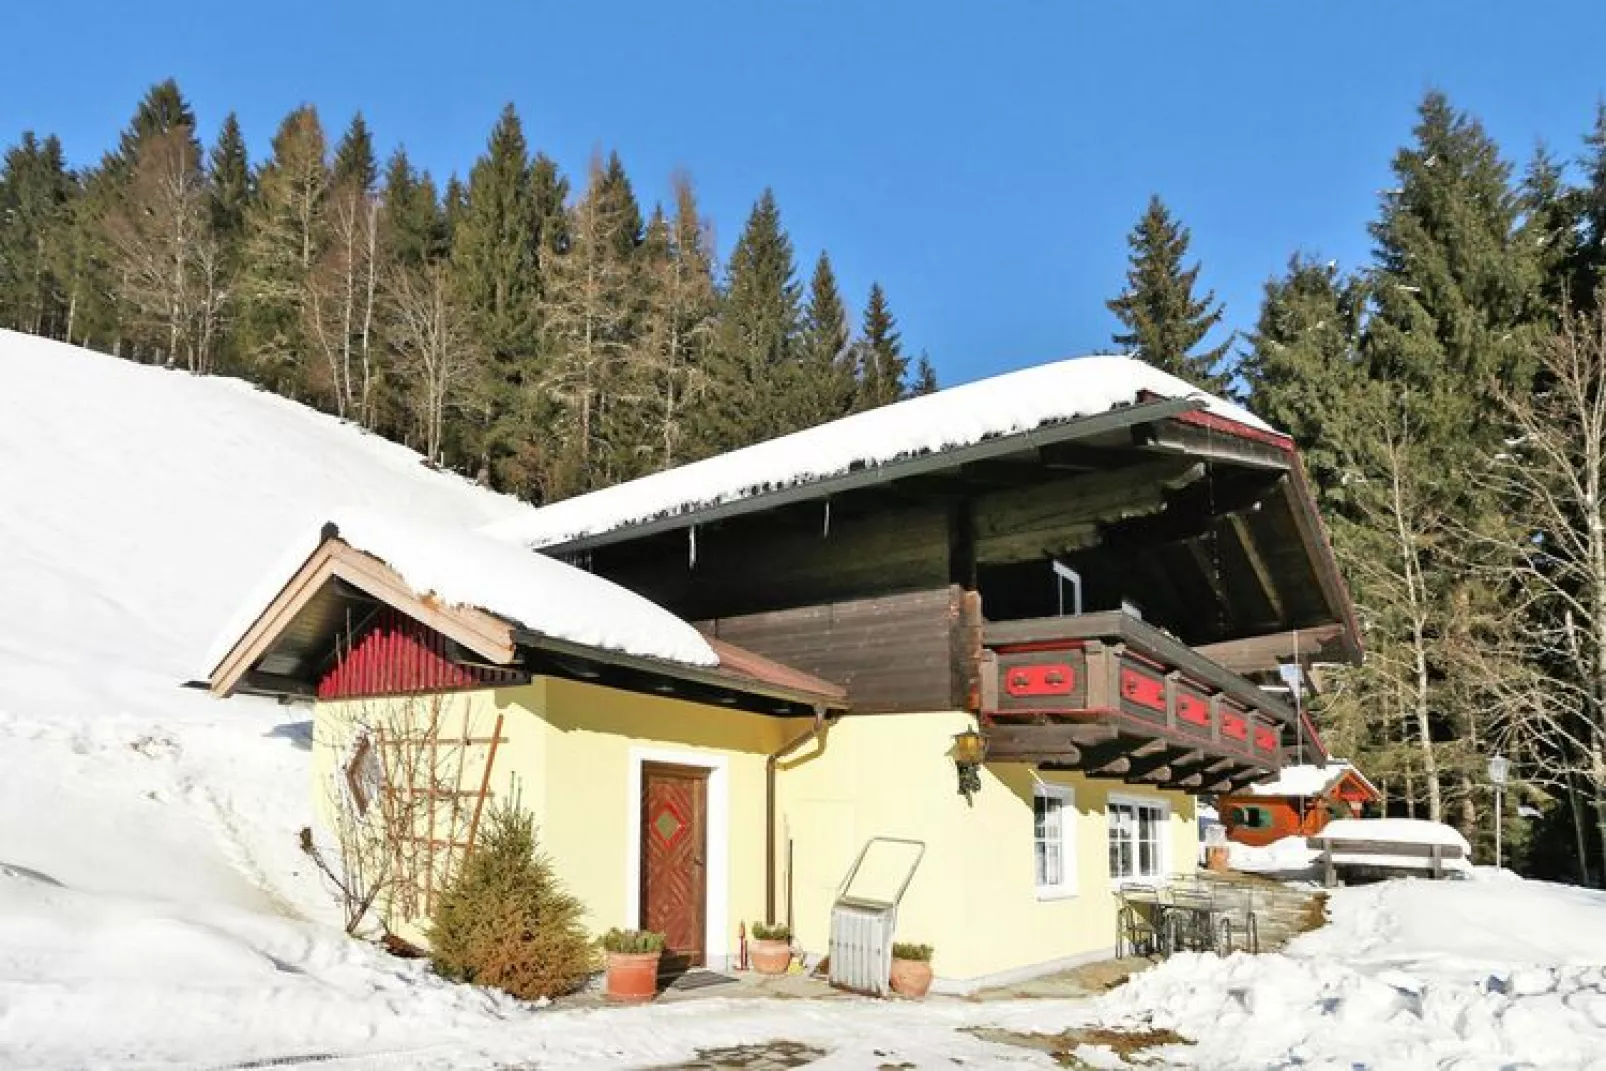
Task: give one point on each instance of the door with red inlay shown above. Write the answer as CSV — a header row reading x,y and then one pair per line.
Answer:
x,y
674,854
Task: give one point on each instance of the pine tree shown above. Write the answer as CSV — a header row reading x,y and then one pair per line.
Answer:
x,y
36,195
495,260
1454,291
925,381
286,232
589,313
505,920
355,165
1550,230
1164,321
1590,271
413,222
671,354
1303,368
230,171
825,353
753,368
882,363
494,243
162,110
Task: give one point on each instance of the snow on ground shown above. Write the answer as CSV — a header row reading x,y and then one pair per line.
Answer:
x,y
154,911
1010,404
1410,974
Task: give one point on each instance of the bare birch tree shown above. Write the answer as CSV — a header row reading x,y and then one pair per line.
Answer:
x,y
166,258
1552,474
434,345
341,294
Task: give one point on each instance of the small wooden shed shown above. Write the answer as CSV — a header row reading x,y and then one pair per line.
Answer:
x,y
1298,803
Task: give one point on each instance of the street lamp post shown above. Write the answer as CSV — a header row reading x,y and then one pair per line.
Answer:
x,y
1499,767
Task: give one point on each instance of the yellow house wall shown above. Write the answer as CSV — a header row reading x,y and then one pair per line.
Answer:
x,y
974,895
572,757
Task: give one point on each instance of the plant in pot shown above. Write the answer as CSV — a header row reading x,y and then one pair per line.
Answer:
x,y
911,969
632,964
770,947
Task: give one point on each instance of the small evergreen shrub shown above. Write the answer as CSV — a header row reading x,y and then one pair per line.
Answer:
x,y
918,953
506,921
632,941
771,931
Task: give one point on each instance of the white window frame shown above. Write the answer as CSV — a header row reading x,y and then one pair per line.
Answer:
x,y
1162,846
1066,797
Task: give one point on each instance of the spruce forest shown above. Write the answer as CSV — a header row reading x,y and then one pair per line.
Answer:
x,y
546,335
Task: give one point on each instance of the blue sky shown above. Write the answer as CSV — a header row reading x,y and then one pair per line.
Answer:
x,y
983,161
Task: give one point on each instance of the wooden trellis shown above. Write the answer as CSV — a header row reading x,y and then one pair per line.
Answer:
x,y
419,787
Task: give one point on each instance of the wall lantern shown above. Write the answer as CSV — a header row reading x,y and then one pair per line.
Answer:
x,y
969,749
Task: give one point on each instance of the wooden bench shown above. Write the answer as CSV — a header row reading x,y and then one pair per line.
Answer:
x,y
1435,860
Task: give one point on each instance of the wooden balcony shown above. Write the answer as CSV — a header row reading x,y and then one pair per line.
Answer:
x,y
1114,697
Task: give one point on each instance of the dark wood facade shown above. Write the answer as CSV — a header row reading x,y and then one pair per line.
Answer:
x,y
907,651
906,586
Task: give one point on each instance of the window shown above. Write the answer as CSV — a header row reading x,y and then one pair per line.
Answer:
x,y
1251,818
1053,821
1137,839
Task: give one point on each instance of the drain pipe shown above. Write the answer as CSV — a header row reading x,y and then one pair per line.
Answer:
x,y
770,764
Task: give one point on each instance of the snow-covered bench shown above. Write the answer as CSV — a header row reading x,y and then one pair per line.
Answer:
x,y
1391,844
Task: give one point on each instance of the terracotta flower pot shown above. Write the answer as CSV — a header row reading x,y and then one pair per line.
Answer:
x,y
632,976
911,977
770,957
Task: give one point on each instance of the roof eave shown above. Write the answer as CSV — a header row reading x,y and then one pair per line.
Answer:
x,y
706,676
1081,428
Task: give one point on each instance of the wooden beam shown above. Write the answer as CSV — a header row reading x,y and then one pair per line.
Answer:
x,y
1257,565
1263,653
1151,747
1224,785
1028,523
1190,758
1210,569
277,684
1192,781
1027,742
1114,768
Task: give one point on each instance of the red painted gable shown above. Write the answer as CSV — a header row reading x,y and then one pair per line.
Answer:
x,y
395,655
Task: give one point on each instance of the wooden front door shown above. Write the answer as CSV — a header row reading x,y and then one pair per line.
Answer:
x,y
674,858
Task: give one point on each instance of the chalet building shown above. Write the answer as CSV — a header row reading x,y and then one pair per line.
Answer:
x,y
1298,802
1023,622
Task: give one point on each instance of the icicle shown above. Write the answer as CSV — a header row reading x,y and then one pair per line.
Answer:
x,y
691,547
825,533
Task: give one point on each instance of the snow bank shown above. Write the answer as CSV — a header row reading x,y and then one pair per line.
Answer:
x,y
1002,405
464,568
1409,974
1286,857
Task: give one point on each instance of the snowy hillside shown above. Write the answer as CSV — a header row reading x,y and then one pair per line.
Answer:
x,y
138,508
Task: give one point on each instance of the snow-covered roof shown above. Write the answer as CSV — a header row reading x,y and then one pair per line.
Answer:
x,y
459,567
1307,780
1004,405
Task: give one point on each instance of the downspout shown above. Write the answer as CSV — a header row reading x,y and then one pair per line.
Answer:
x,y
770,764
